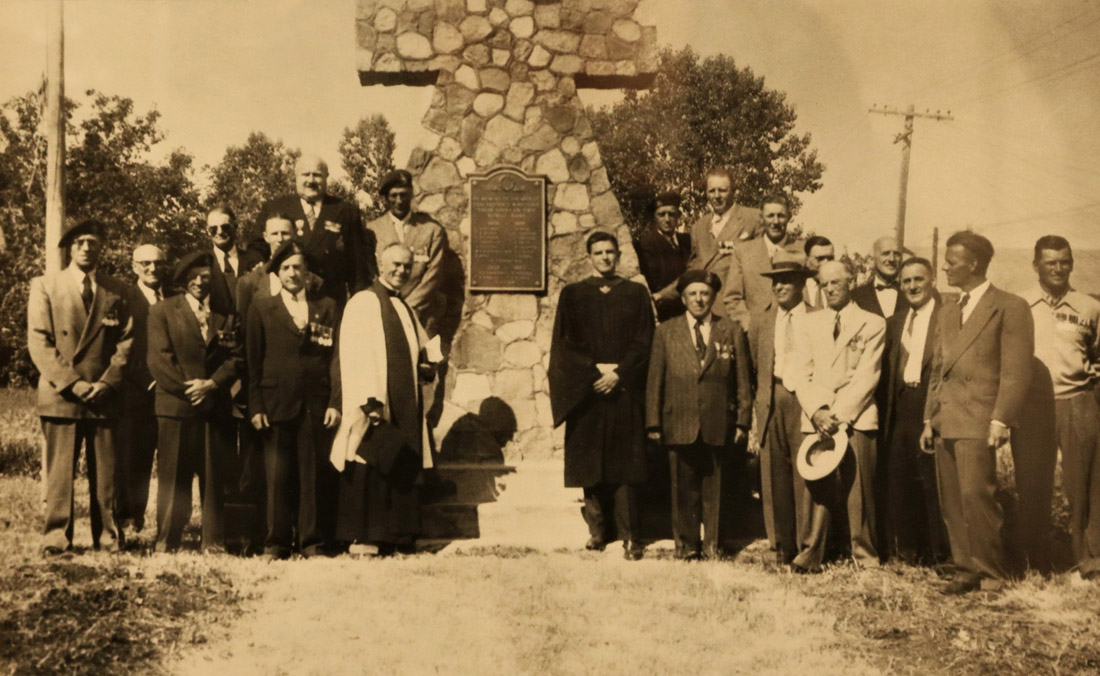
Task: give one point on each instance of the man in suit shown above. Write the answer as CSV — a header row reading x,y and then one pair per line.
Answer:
x,y
722,229
745,291
231,262
294,399
79,335
663,253
330,229
818,250
137,429
195,356
977,391
422,235
260,283
1067,343
914,526
880,294
835,368
778,427
698,403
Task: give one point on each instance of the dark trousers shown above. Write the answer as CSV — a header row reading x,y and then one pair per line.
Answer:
x,y
1079,438
696,472
136,445
915,528
295,458
1034,459
966,470
190,447
781,486
611,512
63,439
851,486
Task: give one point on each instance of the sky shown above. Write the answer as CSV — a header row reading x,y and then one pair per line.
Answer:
x,y
1021,157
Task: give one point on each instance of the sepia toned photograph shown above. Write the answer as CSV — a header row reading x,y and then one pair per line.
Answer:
x,y
549,337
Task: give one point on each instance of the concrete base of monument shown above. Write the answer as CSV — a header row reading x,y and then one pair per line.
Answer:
x,y
531,509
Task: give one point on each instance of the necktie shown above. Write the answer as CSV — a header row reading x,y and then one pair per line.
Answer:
x,y
786,346
962,307
907,337
86,294
203,315
836,327
700,344
229,271
311,215
300,320
158,295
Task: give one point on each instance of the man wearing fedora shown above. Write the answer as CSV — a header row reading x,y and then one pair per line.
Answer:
x,y
420,234
330,229
835,369
778,427
744,291
698,404
981,371
293,402
195,356
914,530
79,335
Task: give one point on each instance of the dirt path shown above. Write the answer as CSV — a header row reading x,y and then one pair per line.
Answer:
x,y
525,599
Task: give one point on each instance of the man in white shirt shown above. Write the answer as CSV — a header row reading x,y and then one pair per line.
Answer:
x,y
880,294
230,262
835,368
778,428
1067,342
914,527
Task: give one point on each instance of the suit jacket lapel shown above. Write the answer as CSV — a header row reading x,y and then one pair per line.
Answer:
x,y
283,315
981,315
848,329
94,319
685,337
929,340
213,324
71,297
712,351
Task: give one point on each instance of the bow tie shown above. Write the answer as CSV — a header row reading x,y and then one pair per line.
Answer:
x,y
880,287
391,292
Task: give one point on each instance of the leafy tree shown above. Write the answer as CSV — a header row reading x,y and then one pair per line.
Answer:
x,y
251,174
366,153
698,115
109,176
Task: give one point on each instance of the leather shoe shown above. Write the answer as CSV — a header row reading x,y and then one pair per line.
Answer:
x,y
595,544
633,550
960,586
51,550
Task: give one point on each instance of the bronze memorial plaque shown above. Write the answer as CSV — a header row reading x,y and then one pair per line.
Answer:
x,y
507,231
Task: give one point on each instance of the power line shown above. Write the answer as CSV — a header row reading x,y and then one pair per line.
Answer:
x,y
1051,76
977,69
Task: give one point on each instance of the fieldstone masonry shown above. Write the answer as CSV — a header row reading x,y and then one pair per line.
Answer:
x,y
506,74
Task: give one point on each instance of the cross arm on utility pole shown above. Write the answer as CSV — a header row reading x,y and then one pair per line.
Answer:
x,y
906,139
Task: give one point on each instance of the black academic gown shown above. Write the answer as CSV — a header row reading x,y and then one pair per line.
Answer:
x,y
601,321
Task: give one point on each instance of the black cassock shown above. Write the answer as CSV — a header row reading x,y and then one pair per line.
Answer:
x,y
601,321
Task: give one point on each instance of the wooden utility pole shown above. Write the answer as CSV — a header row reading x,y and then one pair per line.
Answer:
x,y
906,138
55,134
935,253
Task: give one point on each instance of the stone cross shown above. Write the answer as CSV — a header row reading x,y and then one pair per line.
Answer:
x,y
506,74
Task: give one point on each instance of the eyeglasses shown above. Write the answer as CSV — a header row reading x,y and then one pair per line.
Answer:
x,y
151,264
223,227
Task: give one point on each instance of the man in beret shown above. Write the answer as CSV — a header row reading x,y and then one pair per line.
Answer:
x,y
778,428
663,253
699,390
835,368
745,292
294,400
420,234
79,335
599,352
194,356
330,229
